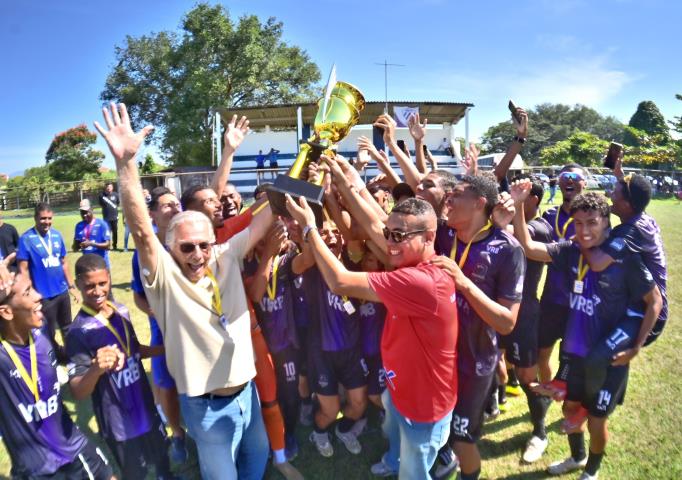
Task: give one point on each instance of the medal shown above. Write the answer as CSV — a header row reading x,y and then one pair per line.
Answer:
x,y
348,306
465,254
578,287
216,302
579,283
31,380
105,321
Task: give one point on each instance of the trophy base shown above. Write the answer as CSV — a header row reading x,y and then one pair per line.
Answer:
x,y
284,184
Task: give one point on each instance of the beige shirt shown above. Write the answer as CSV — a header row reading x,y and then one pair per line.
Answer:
x,y
203,355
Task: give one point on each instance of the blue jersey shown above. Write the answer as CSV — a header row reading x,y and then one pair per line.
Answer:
x,y
96,231
44,255
39,435
122,400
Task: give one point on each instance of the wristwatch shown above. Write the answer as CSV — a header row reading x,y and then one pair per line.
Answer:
x,y
521,140
306,231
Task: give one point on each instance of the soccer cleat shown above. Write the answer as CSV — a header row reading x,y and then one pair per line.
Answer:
x,y
555,389
535,447
503,406
382,470
587,476
446,464
178,450
565,466
514,390
288,471
573,423
290,447
359,426
349,440
322,443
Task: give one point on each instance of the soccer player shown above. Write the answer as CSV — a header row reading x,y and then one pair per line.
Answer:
x,y
488,266
91,235
40,436
42,255
420,334
598,302
105,363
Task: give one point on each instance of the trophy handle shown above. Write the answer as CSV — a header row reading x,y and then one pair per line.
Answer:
x,y
300,162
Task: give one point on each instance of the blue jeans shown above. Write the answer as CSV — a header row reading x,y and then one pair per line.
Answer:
x,y
229,433
412,446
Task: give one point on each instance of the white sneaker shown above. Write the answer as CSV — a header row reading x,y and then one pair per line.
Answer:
x,y
350,441
359,427
565,466
587,476
321,441
382,470
534,449
446,464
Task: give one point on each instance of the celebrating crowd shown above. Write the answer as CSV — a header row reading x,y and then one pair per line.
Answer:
x,y
419,299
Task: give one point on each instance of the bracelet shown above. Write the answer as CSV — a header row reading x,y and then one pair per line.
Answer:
x,y
521,140
306,231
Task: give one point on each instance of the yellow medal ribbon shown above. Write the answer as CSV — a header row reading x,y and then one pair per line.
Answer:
x,y
271,286
582,269
216,302
31,381
561,233
105,321
465,254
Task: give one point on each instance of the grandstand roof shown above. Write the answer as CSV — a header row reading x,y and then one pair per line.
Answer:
x,y
284,116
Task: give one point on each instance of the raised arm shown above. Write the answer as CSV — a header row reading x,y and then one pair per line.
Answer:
x,y
412,175
534,250
516,145
234,136
418,131
382,160
338,278
124,145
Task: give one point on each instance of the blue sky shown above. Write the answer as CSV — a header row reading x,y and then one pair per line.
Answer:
x,y
607,54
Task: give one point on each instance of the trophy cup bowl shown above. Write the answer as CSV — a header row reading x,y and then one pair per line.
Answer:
x,y
342,113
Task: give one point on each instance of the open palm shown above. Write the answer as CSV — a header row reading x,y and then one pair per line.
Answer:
x,y
235,132
122,141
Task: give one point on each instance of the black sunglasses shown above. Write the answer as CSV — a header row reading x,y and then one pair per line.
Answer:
x,y
189,247
397,236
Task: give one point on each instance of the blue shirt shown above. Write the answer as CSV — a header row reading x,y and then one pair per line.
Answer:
x,y
97,231
44,256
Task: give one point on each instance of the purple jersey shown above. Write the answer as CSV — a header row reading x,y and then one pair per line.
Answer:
x,y
605,298
372,316
496,265
444,238
40,436
276,315
555,289
122,400
333,328
641,234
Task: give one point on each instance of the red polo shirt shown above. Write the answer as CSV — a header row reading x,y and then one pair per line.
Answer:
x,y
418,345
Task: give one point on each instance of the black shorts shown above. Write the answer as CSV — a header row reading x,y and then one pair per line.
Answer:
x,y
553,319
287,366
328,369
90,463
611,393
521,345
376,378
135,455
473,396
302,333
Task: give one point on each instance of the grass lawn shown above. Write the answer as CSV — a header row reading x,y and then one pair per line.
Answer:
x,y
645,432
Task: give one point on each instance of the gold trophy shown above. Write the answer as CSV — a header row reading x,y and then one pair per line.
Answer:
x,y
337,113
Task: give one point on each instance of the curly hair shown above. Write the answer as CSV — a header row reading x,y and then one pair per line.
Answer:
x,y
591,201
483,186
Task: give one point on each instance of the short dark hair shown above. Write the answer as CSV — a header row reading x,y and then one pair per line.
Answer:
x,y
414,206
187,199
537,189
637,191
447,180
485,187
156,193
40,208
262,187
572,166
89,262
591,201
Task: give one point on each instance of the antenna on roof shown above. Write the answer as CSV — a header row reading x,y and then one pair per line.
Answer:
x,y
386,65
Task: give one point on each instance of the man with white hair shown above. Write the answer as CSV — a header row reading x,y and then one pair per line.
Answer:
x,y
196,292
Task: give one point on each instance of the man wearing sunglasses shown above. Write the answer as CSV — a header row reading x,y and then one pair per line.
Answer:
x,y
92,235
488,266
420,333
196,292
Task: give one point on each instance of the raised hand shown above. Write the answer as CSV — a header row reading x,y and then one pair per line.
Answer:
x,y
301,211
122,141
521,126
387,124
504,211
519,190
417,130
235,133
470,160
276,236
366,144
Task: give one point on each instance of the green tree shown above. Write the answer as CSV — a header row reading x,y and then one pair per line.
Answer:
x,y
582,148
651,151
71,155
172,79
149,165
676,123
649,119
549,124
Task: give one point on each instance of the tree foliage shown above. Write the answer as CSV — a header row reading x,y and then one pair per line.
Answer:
x,y
582,148
70,155
149,165
549,124
649,119
172,79
651,151
676,123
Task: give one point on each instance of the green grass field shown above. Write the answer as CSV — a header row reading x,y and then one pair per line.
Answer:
x,y
645,433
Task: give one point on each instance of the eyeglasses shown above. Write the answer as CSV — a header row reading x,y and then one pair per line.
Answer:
x,y
189,247
397,236
566,176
